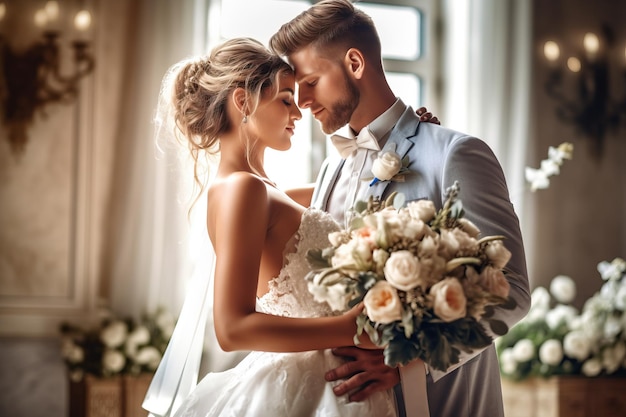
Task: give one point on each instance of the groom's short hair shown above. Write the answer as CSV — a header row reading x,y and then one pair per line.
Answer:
x,y
331,27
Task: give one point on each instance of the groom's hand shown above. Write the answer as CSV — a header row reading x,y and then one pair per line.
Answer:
x,y
365,373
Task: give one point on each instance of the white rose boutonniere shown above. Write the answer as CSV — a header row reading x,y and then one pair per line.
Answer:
x,y
389,166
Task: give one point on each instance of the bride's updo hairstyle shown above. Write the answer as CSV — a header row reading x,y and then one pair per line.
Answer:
x,y
198,91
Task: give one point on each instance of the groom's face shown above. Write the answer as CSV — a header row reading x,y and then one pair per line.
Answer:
x,y
325,87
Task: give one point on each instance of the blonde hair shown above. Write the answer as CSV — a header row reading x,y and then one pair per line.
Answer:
x,y
331,27
202,86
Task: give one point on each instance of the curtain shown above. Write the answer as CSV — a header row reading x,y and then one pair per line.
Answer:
x,y
487,83
148,249
486,71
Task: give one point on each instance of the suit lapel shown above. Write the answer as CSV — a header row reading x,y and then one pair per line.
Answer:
x,y
328,180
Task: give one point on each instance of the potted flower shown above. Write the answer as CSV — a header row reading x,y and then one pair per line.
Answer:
x,y
111,365
563,345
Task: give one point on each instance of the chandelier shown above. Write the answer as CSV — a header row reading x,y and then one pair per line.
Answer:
x,y
31,78
590,89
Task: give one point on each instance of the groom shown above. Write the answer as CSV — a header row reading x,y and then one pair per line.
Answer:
x,y
336,53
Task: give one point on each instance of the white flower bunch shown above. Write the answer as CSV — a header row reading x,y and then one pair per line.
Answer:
x,y
421,274
117,346
559,340
539,178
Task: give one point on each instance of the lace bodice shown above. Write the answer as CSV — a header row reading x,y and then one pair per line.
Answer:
x,y
288,294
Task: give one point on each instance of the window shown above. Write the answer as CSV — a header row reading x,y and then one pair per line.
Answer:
x,y
406,30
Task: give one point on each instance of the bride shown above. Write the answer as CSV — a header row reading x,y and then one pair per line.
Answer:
x,y
237,102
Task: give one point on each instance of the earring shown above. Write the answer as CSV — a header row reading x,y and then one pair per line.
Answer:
x,y
245,118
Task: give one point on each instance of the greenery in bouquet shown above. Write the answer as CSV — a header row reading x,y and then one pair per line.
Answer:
x,y
427,280
117,346
555,338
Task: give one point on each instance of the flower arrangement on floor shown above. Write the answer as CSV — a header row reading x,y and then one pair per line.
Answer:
x,y
556,339
117,346
426,278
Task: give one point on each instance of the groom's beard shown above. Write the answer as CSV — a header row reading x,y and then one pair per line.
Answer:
x,y
341,111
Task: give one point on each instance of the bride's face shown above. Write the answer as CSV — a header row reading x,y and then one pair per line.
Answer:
x,y
273,122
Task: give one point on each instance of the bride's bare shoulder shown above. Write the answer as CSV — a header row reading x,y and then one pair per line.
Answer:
x,y
236,184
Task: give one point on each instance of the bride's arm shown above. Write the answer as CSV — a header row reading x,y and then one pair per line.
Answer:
x,y
240,222
302,195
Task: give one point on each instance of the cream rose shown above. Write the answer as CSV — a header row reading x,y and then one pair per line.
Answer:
x,y
449,300
423,210
386,166
469,227
493,280
497,254
402,270
382,303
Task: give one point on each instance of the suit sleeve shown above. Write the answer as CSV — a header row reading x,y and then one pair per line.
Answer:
x,y
485,198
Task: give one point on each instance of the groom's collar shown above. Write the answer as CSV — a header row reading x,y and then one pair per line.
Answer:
x,y
382,125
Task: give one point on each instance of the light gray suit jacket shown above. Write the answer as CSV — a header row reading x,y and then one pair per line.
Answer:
x,y
438,157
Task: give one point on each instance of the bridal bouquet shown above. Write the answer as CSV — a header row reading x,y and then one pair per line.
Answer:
x,y
426,278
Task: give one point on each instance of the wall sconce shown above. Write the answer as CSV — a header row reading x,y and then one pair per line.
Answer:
x,y
583,91
31,78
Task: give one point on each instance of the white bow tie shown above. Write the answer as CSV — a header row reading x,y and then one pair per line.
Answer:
x,y
346,146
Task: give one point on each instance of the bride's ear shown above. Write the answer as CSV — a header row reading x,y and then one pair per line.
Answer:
x,y
239,100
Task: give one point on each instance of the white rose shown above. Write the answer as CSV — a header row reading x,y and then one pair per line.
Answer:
x,y
551,352
467,244
612,357
468,227
140,335
166,323
113,360
379,257
423,210
386,166
524,350
382,303
428,247
507,361
592,367
149,356
356,253
577,345
448,244
414,229
540,297
449,302
563,288
114,334
336,295
337,238
612,327
497,253
620,297
72,352
560,314
402,270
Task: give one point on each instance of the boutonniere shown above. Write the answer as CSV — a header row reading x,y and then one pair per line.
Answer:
x,y
389,167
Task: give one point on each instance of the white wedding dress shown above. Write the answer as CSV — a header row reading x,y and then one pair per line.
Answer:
x,y
269,384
